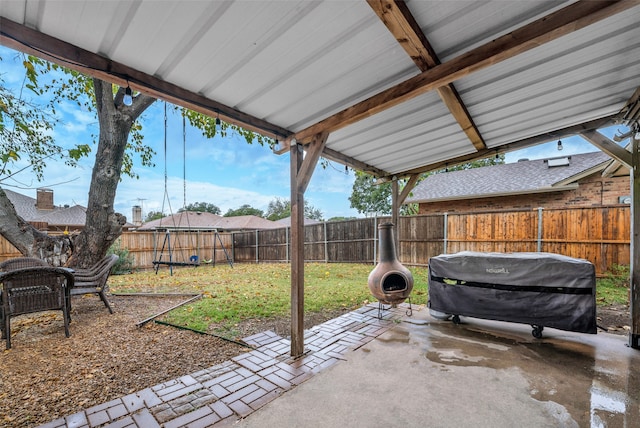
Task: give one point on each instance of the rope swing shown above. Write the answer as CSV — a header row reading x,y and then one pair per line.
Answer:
x,y
166,244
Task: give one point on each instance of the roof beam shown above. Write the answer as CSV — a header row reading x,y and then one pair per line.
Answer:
x,y
333,155
25,39
408,187
516,145
551,27
401,23
614,150
631,112
310,160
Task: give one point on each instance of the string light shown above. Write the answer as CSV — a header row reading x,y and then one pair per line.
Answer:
x,y
128,96
560,145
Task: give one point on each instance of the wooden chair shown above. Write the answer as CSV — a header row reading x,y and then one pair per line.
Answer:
x,y
94,279
34,289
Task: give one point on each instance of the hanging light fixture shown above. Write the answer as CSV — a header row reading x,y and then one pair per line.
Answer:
x,y
128,96
560,145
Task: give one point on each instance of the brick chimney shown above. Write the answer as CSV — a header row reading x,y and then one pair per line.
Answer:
x,y
137,215
44,199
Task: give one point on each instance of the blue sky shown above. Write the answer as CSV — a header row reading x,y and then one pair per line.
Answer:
x,y
227,172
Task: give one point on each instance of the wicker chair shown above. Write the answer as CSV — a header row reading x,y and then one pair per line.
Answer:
x,y
34,289
94,279
20,263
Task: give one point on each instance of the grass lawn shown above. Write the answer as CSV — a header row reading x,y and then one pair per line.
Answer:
x,y
257,290
249,291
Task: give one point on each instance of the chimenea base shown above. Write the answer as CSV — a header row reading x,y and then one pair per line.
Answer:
x,y
382,308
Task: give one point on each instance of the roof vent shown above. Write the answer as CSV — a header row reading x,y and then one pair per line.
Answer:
x,y
523,160
558,162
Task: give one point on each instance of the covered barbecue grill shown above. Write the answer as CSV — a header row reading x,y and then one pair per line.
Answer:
x,y
540,289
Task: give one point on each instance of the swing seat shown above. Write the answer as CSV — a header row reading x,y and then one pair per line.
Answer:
x,y
160,262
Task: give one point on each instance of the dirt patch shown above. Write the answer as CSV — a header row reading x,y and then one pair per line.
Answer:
x,y
45,375
615,319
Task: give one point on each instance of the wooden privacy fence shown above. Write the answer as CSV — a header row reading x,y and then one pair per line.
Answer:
x,y
598,234
145,247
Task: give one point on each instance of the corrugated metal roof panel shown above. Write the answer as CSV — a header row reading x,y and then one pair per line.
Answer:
x,y
295,63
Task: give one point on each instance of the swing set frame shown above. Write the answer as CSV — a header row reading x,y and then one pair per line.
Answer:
x,y
194,259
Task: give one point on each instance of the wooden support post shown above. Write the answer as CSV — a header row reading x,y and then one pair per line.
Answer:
x,y
395,212
297,254
301,169
634,292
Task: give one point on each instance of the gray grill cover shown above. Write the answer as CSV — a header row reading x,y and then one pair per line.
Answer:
x,y
541,289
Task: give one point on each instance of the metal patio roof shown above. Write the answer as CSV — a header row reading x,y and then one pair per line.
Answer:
x,y
373,75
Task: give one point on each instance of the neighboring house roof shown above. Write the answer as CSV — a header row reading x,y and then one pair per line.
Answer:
x,y
525,176
59,216
184,220
287,221
246,222
207,221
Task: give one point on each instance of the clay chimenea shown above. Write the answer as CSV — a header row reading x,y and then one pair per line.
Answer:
x,y
390,281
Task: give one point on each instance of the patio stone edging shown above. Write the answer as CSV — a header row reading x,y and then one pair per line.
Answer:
x,y
221,394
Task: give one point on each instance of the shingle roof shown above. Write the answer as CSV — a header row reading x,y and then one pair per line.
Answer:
x,y
208,221
184,220
287,221
60,216
507,179
244,222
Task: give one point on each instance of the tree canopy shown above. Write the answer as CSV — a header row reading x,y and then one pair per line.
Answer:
x,y
26,133
245,209
280,208
203,207
153,215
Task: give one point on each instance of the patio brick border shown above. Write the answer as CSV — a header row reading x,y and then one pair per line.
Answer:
x,y
221,394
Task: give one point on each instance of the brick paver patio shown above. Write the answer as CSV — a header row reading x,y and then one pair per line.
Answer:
x,y
222,394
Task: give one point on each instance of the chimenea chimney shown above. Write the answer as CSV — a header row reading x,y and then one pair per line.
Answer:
x,y
44,199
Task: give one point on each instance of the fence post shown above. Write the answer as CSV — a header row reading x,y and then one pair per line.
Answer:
x,y
257,256
286,240
539,248
375,239
326,244
233,248
446,223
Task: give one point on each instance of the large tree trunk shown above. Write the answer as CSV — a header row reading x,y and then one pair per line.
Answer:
x,y
29,240
103,225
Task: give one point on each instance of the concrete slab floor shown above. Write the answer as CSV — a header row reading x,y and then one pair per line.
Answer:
x,y
427,372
